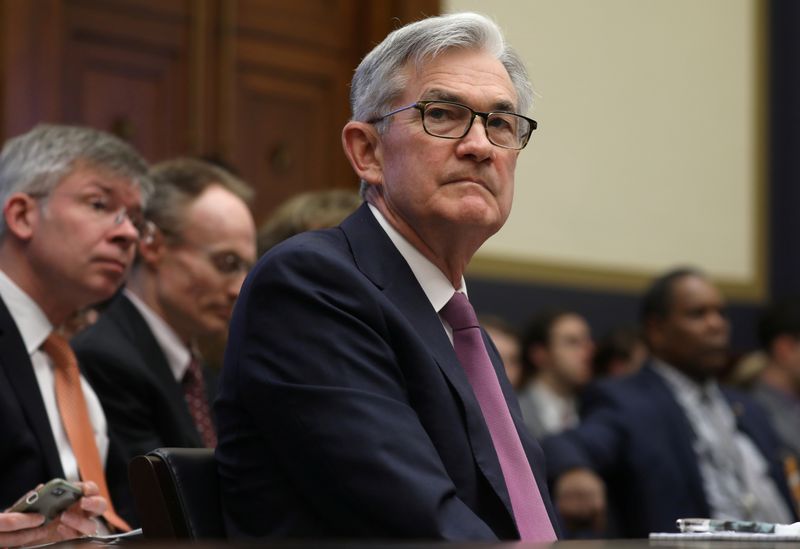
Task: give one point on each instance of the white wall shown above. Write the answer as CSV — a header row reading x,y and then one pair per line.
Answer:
x,y
650,145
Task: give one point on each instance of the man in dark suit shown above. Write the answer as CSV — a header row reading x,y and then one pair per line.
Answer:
x,y
141,355
669,441
71,218
345,408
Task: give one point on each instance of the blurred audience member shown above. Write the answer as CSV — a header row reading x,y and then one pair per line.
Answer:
x,y
306,212
141,355
72,200
506,339
669,441
777,386
557,348
620,352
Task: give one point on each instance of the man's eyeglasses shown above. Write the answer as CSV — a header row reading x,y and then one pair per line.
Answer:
x,y
106,210
451,120
227,263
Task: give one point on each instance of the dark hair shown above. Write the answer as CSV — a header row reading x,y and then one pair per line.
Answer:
x,y
657,299
618,344
779,318
539,332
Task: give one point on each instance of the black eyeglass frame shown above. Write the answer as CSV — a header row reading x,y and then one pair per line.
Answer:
x,y
422,106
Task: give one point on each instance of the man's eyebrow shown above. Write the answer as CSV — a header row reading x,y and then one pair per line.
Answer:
x,y
97,184
442,95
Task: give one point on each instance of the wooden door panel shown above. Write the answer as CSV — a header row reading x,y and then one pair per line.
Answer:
x,y
126,71
281,142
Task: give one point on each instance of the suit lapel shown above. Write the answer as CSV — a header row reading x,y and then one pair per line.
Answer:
x,y
15,361
675,418
377,257
125,314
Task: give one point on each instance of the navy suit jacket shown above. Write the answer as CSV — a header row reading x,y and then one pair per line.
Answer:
x,y
635,434
343,409
28,452
144,404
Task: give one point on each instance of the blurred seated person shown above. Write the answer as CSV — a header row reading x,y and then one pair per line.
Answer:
x,y
306,212
506,340
72,200
668,440
142,354
557,348
620,352
777,386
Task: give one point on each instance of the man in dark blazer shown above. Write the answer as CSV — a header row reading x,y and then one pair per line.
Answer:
x,y
140,354
344,410
668,441
72,215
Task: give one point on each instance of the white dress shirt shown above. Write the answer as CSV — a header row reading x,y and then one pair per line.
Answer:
x,y
177,353
734,473
436,286
34,327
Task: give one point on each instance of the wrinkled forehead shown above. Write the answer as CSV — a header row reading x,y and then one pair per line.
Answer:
x,y
86,176
469,69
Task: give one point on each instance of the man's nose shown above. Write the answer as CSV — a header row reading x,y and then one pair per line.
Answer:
x,y
476,143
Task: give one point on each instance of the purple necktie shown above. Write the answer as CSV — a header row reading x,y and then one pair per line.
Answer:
x,y
530,513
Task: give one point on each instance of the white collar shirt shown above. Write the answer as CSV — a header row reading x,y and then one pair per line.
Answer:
x,y
735,474
34,327
434,283
176,352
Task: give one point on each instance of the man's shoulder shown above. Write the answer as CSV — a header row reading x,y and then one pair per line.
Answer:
x,y
109,325
111,341
633,393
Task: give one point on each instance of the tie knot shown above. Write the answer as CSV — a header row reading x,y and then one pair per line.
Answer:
x,y
194,370
59,350
458,312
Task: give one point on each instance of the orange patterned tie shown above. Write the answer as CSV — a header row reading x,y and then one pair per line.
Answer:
x,y
75,416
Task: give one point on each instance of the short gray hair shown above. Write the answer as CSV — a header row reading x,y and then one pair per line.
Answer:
x,y
37,161
378,80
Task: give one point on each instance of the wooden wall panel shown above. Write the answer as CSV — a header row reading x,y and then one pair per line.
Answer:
x,y
259,84
126,71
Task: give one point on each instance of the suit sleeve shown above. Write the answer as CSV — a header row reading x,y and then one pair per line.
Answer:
x,y
596,443
315,360
125,397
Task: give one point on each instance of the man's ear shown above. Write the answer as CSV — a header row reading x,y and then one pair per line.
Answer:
x,y
362,145
653,331
21,215
152,248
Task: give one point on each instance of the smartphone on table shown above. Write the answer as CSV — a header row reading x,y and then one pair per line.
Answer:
x,y
49,499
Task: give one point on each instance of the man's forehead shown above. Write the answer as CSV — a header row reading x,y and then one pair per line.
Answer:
x,y
438,78
692,290
87,177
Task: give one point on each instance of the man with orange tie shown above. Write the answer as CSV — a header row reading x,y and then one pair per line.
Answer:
x,y
359,396
72,202
182,288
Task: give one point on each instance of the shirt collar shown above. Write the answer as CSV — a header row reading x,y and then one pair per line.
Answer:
x,y
436,286
680,383
176,352
32,323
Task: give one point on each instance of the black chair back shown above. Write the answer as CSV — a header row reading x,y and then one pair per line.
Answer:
x,y
177,493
